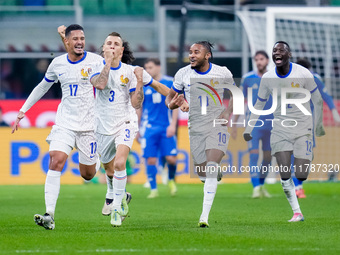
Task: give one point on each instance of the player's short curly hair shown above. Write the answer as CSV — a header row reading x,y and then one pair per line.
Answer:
x,y
208,45
72,28
283,42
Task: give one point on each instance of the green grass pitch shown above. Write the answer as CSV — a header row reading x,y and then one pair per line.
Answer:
x,y
168,225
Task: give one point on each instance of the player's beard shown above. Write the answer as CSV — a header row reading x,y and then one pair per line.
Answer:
x,y
198,65
78,54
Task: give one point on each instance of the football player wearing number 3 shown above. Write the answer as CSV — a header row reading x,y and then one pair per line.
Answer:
x,y
292,133
117,83
75,123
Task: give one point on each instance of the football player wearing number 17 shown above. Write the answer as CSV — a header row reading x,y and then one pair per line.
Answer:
x,y
74,126
292,133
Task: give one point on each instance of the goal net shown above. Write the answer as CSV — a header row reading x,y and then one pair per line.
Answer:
x,y
312,33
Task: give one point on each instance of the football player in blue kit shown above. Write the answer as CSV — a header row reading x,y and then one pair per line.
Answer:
x,y
158,129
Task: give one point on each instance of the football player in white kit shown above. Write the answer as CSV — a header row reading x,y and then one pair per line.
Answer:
x,y
74,126
127,58
117,84
206,149
292,131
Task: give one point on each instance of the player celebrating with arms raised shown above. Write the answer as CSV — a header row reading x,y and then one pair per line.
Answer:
x,y
74,126
293,130
205,147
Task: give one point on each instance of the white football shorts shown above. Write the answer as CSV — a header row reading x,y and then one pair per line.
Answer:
x,y
302,147
63,139
216,138
107,144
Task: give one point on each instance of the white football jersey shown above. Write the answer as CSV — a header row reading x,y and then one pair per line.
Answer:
x,y
113,105
297,77
76,110
208,92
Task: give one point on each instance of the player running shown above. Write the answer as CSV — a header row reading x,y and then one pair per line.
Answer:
x,y
208,145
292,131
127,58
74,126
117,84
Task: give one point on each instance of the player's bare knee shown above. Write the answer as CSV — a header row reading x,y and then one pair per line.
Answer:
x,y
88,175
119,164
301,176
57,161
285,175
255,151
151,161
171,160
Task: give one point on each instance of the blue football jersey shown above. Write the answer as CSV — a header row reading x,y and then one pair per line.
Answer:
x,y
155,112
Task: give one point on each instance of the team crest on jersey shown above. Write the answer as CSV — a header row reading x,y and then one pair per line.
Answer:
x,y
212,83
297,85
124,81
85,73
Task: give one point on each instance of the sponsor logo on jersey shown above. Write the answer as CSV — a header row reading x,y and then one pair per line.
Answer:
x,y
124,81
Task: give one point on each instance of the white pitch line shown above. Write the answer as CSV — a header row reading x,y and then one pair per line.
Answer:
x,y
172,250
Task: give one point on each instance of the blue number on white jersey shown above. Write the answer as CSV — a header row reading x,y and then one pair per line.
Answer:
x,y
112,98
73,89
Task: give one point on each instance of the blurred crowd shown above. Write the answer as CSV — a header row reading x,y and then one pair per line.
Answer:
x,y
18,77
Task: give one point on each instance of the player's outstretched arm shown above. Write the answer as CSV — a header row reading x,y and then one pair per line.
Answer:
x,y
171,129
137,96
20,116
35,95
318,110
174,100
160,88
61,32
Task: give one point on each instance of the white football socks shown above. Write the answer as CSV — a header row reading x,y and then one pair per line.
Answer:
x,y
210,187
109,182
119,184
289,189
52,188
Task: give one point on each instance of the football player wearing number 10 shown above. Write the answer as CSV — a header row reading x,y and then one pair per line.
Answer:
x,y
74,126
295,136
208,144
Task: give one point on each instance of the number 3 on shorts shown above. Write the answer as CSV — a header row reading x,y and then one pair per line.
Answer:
x,y
127,134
